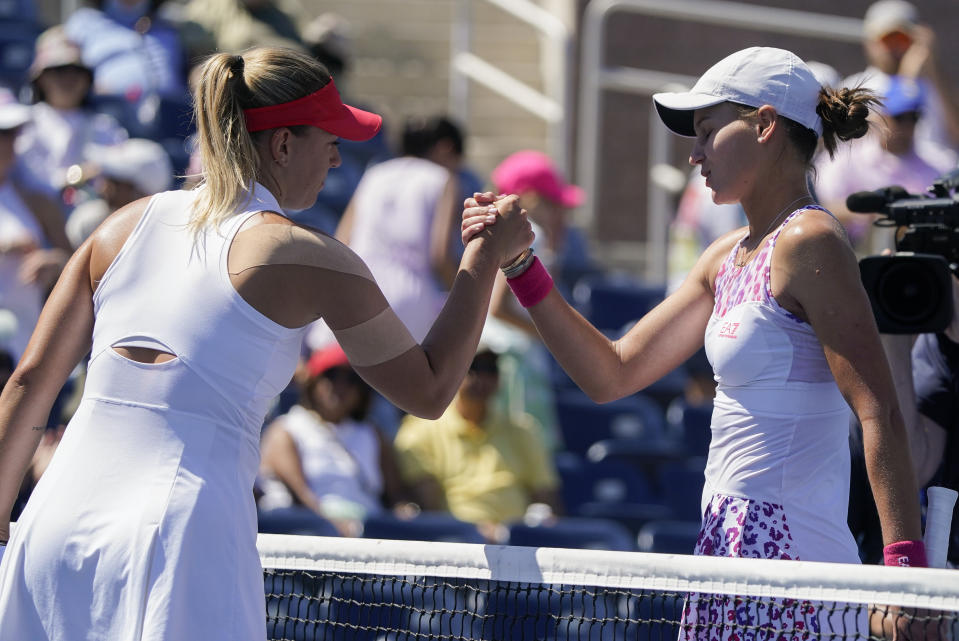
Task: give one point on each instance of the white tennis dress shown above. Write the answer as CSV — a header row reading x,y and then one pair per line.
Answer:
x,y
144,526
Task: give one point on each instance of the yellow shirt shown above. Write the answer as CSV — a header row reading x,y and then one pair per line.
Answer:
x,y
487,471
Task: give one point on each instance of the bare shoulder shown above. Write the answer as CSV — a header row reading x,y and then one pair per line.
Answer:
x,y
813,264
272,239
814,234
107,240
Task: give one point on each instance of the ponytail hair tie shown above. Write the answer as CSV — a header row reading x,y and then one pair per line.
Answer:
x,y
236,81
237,64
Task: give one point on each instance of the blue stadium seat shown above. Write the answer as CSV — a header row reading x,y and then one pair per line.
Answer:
x,y
690,425
17,40
681,482
122,109
644,453
294,520
611,302
19,11
584,482
428,526
155,117
573,532
582,422
668,537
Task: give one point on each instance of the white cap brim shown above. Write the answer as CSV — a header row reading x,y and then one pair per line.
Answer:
x,y
676,109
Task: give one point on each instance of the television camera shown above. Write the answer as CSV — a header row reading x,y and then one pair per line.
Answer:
x,y
910,290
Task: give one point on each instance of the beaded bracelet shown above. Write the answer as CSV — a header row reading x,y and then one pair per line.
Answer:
x,y
520,265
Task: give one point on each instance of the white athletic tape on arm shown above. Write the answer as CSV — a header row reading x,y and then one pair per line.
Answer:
x,y
377,340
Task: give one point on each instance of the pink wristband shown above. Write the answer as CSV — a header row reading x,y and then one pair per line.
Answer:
x,y
907,554
532,285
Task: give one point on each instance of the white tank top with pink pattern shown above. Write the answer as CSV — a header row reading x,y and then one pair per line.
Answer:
x,y
779,445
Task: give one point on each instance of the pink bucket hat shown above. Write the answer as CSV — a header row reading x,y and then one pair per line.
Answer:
x,y
533,170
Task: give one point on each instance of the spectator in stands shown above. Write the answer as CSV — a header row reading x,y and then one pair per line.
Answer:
x,y
887,156
897,44
526,384
325,455
548,198
926,372
781,310
33,245
120,174
54,148
133,52
400,220
480,465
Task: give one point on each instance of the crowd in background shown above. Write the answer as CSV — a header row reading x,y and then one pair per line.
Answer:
x,y
102,118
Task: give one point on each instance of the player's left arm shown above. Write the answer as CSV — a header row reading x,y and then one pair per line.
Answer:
x,y
815,275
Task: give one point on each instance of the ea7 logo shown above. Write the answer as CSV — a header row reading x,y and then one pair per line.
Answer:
x,y
728,330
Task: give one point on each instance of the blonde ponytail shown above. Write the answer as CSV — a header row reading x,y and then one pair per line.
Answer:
x,y
229,84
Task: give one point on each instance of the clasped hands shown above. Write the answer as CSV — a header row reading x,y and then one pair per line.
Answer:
x,y
484,210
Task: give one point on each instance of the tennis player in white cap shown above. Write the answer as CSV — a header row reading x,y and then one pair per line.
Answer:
x,y
783,315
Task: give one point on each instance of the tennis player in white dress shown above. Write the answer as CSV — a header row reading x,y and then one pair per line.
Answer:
x,y
143,527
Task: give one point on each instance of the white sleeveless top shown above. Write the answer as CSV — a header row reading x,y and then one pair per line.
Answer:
x,y
779,424
143,526
341,463
394,206
166,292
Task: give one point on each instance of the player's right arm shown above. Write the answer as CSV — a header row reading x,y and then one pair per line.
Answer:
x,y
300,276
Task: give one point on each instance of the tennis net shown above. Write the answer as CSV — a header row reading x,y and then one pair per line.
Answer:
x,y
321,588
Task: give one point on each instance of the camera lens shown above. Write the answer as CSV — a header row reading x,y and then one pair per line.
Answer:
x,y
908,292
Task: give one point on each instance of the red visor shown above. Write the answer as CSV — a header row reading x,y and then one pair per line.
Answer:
x,y
323,109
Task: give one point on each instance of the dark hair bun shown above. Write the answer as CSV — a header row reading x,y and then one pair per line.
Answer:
x,y
844,113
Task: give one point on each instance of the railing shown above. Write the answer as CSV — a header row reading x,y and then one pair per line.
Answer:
x,y
551,105
596,78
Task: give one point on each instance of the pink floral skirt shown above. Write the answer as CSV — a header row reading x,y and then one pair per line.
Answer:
x,y
738,527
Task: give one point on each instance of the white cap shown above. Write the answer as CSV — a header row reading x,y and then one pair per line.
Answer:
x,y
139,161
12,112
887,16
753,77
